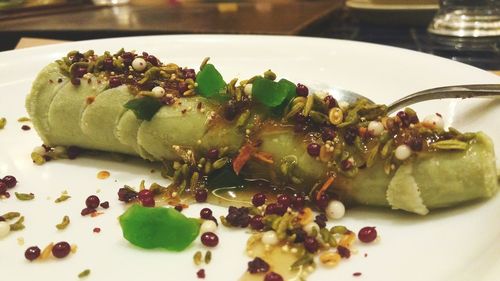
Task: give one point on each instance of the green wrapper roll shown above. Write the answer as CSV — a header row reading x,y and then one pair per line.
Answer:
x,y
92,115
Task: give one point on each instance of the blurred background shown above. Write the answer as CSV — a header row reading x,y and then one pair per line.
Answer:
x,y
401,23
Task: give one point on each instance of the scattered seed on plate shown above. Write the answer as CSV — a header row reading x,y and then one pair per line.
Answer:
x,y
96,230
24,196
46,251
208,257
23,119
18,225
74,248
64,223
197,258
25,127
84,273
62,198
3,122
11,215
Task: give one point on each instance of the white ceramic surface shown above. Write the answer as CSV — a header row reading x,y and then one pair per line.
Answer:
x,y
456,244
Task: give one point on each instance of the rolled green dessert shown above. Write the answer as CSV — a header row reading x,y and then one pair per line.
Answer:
x,y
260,128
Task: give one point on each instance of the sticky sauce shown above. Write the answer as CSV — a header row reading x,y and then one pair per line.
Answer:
x,y
279,261
242,195
102,175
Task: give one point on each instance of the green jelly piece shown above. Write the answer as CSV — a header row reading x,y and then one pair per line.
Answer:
x,y
210,83
289,87
272,93
291,92
158,228
144,108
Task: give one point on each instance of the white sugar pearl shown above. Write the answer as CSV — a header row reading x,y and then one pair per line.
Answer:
x,y
248,89
59,150
4,229
139,64
208,226
376,128
335,210
40,150
270,238
310,227
343,105
434,121
158,92
402,152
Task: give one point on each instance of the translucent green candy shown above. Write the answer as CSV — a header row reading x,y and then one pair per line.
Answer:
x,y
210,83
158,228
272,93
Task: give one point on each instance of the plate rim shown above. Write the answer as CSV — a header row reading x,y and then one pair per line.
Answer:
x,y
239,36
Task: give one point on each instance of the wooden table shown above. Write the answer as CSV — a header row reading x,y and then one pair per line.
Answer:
x,y
318,18
170,17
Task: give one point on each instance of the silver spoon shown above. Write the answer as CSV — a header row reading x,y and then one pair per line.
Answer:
x,y
448,92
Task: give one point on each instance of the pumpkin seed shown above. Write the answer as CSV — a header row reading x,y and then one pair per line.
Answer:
x,y
330,258
84,273
3,122
296,108
305,260
220,163
18,225
243,118
338,229
371,155
208,168
387,149
194,180
270,75
10,215
208,257
308,106
65,222
197,258
318,117
204,62
25,196
449,145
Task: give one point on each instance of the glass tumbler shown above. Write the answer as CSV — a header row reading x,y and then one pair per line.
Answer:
x,y
467,18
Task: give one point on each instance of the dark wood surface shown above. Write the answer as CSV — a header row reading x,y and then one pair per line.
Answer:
x,y
168,17
318,18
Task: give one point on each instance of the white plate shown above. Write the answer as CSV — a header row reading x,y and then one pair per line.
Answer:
x,y
456,244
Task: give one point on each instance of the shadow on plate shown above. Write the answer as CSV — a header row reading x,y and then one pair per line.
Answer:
x,y
399,217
